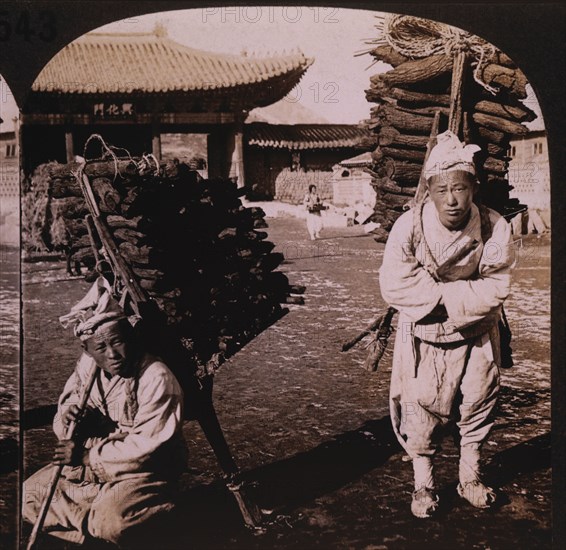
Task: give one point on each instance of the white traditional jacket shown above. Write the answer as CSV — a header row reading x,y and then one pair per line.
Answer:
x,y
147,411
472,291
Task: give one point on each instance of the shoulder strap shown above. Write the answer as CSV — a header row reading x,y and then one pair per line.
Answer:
x,y
486,227
419,239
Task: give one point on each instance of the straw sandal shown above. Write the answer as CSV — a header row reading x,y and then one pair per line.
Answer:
x,y
477,494
424,503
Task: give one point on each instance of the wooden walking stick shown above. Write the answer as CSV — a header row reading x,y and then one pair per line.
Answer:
x,y
59,468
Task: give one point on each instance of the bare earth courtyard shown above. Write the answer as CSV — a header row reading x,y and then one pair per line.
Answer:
x,y
311,428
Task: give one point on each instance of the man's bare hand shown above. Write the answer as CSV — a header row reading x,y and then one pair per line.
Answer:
x,y
68,453
73,413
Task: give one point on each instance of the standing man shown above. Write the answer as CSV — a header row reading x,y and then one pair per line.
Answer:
x,y
122,467
314,206
447,349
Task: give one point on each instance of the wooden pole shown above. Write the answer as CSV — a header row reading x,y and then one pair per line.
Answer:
x,y
58,469
421,191
458,77
69,147
156,138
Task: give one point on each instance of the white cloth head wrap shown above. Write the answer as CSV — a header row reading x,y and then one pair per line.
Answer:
x,y
450,154
97,308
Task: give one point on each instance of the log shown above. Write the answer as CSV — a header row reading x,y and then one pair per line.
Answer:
x,y
70,207
417,71
500,124
148,273
76,227
138,223
130,235
495,150
61,188
494,136
501,58
395,201
414,155
495,165
403,120
270,261
387,185
80,242
509,112
390,136
388,55
108,197
410,97
493,179
407,172
369,142
511,80
84,255
62,171
426,111
124,168
143,255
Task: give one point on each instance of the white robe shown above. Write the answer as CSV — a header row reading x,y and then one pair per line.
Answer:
x,y
132,469
436,358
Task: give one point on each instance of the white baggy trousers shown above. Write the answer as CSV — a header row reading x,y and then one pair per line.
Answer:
x,y
429,381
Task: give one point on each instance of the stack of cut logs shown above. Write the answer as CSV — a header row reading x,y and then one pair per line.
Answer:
x,y
196,251
408,96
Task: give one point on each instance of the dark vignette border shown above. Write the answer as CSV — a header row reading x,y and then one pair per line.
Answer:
x,y
532,34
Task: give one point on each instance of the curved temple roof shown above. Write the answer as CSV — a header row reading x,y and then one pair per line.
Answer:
x,y
100,63
304,136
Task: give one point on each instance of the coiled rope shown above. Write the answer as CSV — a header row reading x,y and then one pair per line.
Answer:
x,y
414,37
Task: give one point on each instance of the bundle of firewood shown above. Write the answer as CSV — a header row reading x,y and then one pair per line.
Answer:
x,y
195,250
421,54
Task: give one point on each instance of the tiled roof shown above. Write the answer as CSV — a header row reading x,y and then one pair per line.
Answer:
x,y
360,160
304,136
152,63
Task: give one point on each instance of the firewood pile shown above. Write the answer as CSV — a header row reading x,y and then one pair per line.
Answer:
x,y
196,251
421,54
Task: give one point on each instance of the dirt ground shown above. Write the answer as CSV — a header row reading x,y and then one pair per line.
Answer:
x,y
311,429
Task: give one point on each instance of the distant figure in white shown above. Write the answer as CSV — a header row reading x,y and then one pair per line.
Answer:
x,y
314,206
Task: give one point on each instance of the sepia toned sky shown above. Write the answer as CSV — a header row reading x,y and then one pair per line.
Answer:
x,y
332,88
